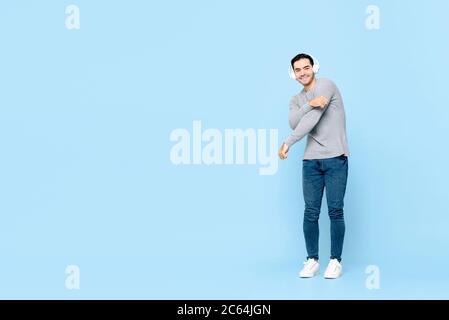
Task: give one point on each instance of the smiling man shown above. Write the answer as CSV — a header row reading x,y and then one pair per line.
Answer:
x,y
318,112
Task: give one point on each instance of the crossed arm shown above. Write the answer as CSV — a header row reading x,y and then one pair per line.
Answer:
x,y
307,117
297,113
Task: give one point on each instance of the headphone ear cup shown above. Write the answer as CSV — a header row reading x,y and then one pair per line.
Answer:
x,y
291,73
316,65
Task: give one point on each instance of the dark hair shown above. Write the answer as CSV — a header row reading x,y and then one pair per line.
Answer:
x,y
302,56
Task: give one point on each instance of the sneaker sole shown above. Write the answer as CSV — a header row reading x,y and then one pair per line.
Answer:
x,y
307,277
332,277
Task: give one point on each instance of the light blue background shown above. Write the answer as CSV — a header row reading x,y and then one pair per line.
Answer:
x,y
85,173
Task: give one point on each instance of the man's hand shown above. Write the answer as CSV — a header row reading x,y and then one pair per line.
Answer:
x,y
319,102
283,151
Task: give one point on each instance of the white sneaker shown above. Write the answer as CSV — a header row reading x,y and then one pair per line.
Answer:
x,y
334,269
310,269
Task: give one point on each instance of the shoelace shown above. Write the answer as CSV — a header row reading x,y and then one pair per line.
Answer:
x,y
334,264
309,263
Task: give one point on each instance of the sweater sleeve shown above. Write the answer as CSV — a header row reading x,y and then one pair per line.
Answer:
x,y
311,118
296,112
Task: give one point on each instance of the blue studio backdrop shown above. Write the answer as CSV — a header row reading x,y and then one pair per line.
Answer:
x,y
139,148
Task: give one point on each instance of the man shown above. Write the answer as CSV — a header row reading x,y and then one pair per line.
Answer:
x,y
318,112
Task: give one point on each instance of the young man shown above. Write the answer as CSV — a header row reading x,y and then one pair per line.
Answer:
x,y
318,112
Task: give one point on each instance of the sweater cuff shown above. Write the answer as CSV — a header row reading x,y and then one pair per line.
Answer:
x,y
306,107
289,142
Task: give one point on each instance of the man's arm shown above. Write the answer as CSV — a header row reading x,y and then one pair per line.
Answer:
x,y
311,118
296,112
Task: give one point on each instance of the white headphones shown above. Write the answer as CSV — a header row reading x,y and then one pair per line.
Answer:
x,y
315,68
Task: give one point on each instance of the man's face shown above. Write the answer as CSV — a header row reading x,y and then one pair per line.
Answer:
x,y
303,71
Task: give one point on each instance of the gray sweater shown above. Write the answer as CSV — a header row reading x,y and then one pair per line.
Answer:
x,y
325,127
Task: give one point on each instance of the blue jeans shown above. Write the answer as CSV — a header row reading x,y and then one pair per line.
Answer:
x,y
331,173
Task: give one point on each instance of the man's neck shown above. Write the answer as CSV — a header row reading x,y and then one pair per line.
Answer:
x,y
311,85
